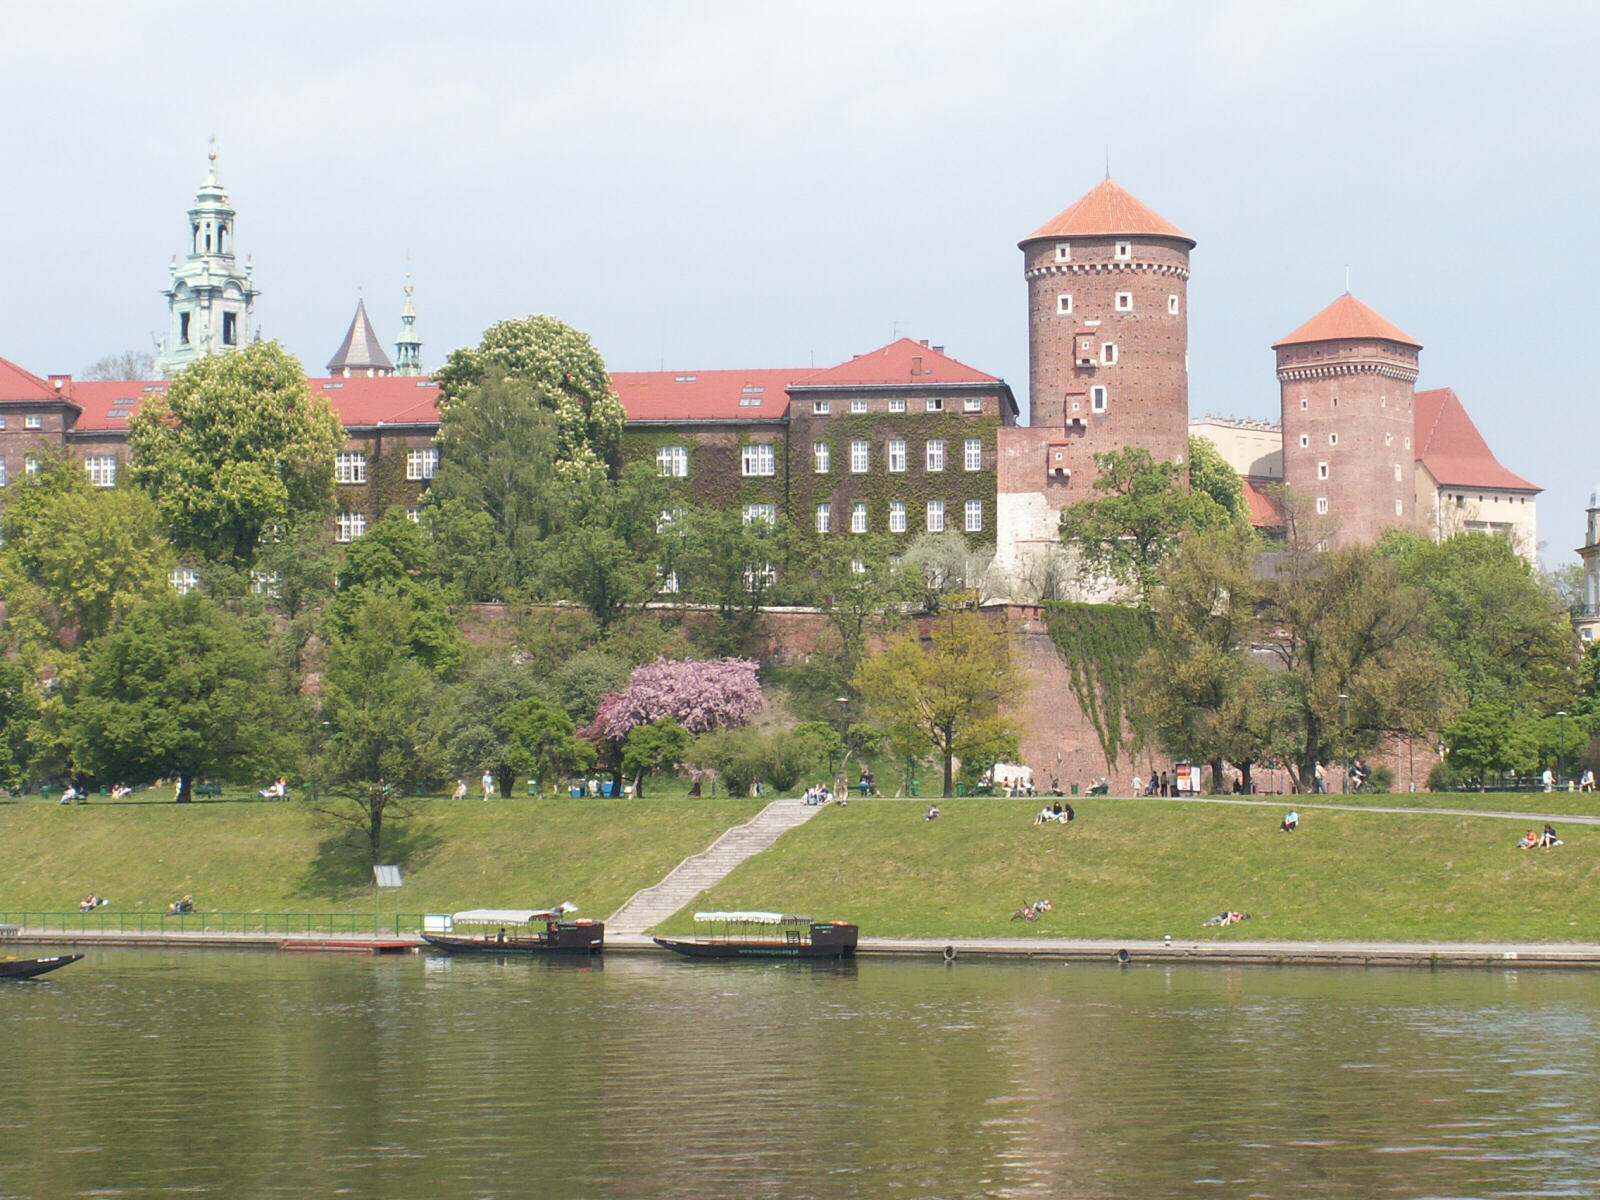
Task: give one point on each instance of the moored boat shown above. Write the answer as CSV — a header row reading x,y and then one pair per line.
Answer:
x,y
27,968
764,935
515,931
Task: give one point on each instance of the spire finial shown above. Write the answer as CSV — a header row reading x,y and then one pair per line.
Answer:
x,y
1347,279
211,152
1108,160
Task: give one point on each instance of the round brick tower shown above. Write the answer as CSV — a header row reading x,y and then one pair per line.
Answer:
x,y
1108,334
1346,380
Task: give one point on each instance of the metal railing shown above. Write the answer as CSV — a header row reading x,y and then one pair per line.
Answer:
x,y
104,921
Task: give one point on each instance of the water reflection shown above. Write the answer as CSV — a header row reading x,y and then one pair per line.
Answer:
x,y
146,1073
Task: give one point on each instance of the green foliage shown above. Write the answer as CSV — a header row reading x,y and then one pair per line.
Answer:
x,y
650,748
1216,488
539,741
392,558
1135,522
940,570
18,707
235,446
580,682
1101,645
738,756
611,560
182,688
560,370
731,565
1487,739
473,739
952,696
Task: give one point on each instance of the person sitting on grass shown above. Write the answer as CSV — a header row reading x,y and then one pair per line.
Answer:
x,y
1228,918
1044,816
1529,840
933,813
1548,838
1290,823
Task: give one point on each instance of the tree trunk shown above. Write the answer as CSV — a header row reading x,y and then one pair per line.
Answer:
x,y
1244,776
638,786
1217,786
949,775
375,827
185,790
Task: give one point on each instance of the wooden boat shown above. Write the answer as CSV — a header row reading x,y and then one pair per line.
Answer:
x,y
515,931
27,968
764,935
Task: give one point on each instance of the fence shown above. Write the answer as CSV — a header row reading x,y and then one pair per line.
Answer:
x,y
135,923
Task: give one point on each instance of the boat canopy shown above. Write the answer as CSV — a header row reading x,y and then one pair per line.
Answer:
x,y
753,918
511,916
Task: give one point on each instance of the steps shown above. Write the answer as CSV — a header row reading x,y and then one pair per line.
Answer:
x,y
650,906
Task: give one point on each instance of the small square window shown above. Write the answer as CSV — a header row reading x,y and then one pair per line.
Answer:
x,y
972,404
1322,470
819,408
421,464
414,514
183,579
672,461
1172,305
1322,504
1063,251
1108,354
1064,305
758,460
858,406
1305,441
1124,250
30,466
1124,301
349,466
1097,398
1304,403
33,421
935,403
1333,439
897,404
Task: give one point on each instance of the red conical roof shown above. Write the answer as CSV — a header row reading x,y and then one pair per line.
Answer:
x,y
1346,318
1109,210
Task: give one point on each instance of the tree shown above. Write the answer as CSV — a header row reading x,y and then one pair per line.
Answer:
x,y
562,373
473,739
938,569
700,696
649,748
182,688
76,556
540,742
1135,521
1215,486
1566,580
1486,738
126,364
611,560
952,696
392,557
731,562
18,706
237,446
377,702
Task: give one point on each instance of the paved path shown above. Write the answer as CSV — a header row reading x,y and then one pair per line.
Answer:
x,y
1299,802
652,905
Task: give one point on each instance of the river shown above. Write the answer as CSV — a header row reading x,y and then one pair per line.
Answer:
x,y
237,1074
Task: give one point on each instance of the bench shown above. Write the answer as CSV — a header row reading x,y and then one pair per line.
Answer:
x,y
10,931
208,789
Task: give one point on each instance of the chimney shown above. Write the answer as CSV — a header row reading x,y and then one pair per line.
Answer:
x,y
938,349
923,342
59,381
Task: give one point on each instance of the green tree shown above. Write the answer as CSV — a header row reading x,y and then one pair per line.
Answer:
x,y
732,564
540,742
952,696
181,687
1216,487
562,373
649,748
473,740
18,707
1487,739
613,557
378,705
392,557
235,447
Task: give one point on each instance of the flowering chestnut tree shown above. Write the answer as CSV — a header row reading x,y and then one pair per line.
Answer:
x,y
700,696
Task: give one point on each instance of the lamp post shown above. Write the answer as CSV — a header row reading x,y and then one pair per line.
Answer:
x,y
1344,784
1561,763
844,711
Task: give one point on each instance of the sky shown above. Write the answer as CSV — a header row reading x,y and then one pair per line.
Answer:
x,y
762,184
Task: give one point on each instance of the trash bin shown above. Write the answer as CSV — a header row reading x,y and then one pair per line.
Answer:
x,y
961,789
1074,789
916,787
533,787
44,791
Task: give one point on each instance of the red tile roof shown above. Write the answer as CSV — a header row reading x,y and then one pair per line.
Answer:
x,y
1453,451
705,395
903,362
1265,511
359,401
19,385
1108,210
1346,318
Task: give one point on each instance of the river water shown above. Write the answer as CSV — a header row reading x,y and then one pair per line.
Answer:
x,y
237,1074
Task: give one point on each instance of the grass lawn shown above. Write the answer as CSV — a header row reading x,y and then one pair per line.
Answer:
x,y
255,857
1143,868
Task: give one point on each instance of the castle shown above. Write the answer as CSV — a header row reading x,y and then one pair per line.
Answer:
x,y
904,439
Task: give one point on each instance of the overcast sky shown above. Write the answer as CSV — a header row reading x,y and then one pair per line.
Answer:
x,y
776,184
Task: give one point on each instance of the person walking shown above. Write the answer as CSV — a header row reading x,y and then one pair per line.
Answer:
x,y
1548,779
488,784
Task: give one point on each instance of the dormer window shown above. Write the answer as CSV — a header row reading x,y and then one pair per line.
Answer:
x,y
1063,251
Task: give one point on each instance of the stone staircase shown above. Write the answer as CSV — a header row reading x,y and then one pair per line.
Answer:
x,y
652,905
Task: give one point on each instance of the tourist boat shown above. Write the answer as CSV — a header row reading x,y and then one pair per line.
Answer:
x,y
515,931
27,968
764,935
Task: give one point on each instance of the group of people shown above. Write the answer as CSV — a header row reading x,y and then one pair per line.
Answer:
x,y
1057,812
91,902
1543,840
1031,912
817,793
1157,785
278,789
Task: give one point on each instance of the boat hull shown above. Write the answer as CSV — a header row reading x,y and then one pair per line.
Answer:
x,y
566,939
28,968
825,942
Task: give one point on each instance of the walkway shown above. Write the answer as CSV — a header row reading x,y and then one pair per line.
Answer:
x,y
652,905
1303,800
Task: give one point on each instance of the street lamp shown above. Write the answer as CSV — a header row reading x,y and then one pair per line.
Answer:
x,y
1344,784
1561,763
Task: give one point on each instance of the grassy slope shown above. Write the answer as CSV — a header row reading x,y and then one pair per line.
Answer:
x,y
281,858
1144,868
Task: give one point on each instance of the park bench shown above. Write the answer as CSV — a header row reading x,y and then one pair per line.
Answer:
x,y
208,789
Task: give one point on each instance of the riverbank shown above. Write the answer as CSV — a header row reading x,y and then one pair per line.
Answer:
x,y
1128,872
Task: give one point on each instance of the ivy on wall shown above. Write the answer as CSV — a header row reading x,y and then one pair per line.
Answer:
x,y
1101,644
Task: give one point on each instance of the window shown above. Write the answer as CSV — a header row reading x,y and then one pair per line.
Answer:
x,y
935,516
972,404
1063,251
33,421
761,512
1388,439
102,469
414,514
935,454
1397,472
857,567
421,464
1064,305
673,461
2,472
183,579
972,458
935,403
1108,354
183,328
897,516
1397,508
758,460
1305,441
1172,305
3,421
973,522
1303,403
860,456
858,406
230,329
30,466
1322,470
824,517
756,578
819,408
1124,250
669,580
1097,398
349,466
1124,301
1333,439
1322,504
1408,443
897,455
858,517
819,457
897,404
750,395
266,583
349,526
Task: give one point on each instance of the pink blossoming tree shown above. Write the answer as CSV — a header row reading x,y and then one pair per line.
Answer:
x,y
700,696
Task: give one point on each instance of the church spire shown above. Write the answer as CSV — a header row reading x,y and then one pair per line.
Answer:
x,y
408,346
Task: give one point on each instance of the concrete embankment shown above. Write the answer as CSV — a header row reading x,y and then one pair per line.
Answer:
x,y
1503,955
